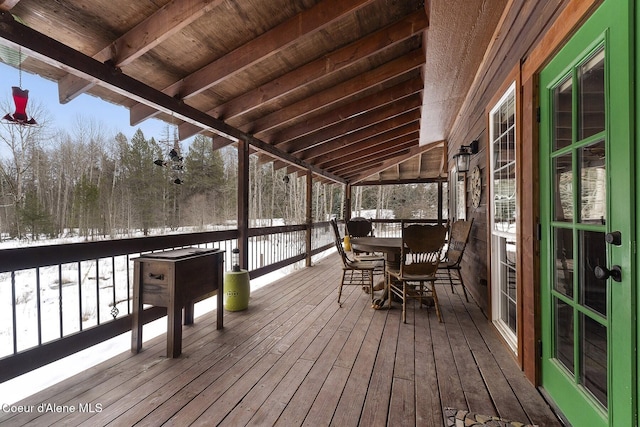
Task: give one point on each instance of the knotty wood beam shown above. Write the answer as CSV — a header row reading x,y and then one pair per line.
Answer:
x,y
313,71
360,176
401,120
368,144
163,24
366,161
265,45
271,123
362,151
359,122
52,52
346,112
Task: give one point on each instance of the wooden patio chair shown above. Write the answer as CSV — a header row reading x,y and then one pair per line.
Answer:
x,y
419,258
355,272
362,227
458,238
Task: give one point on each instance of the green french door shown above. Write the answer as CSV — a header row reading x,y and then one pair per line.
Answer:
x,y
587,216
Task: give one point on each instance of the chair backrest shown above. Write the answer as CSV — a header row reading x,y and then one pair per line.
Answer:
x,y
421,248
458,238
359,227
338,239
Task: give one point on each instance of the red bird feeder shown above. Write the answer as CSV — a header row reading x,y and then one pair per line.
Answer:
x,y
20,98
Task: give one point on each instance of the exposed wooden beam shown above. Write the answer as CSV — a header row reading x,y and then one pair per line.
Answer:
x,y
272,123
369,144
167,21
362,121
401,120
52,52
357,177
360,151
365,162
267,44
315,70
348,111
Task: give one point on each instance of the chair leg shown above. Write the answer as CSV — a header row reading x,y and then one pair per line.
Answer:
x,y
450,280
344,272
435,300
404,302
464,288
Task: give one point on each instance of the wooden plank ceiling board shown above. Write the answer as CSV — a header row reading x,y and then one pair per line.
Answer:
x,y
353,90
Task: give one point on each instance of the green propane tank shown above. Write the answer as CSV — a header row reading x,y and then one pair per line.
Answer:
x,y
236,290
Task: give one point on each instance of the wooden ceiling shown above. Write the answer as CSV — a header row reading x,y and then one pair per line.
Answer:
x,y
355,90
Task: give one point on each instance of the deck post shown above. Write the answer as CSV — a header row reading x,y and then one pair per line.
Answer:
x,y
243,203
309,216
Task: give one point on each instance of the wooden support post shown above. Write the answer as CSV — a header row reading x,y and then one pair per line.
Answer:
x,y
347,203
309,216
243,203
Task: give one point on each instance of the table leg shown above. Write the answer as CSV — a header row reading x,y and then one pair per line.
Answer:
x,y
174,331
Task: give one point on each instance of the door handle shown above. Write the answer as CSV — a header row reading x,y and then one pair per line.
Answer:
x,y
604,273
613,238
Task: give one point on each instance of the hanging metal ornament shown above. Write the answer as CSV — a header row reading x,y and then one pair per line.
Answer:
x,y
20,99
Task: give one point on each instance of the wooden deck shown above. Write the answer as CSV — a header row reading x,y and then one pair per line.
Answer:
x,y
296,358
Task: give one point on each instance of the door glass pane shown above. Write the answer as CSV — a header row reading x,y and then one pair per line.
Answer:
x,y
564,188
564,333
563,108
593,291
508,282
593,183
592,106
594,353
563,278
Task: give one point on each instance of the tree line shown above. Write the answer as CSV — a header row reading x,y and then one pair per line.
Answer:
x,y
92,183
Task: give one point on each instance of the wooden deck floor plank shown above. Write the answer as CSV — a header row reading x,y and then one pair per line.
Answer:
x,y
428,411
402,408
296,358
291,347
250,325
209,388
324,406
473,382
278,400
537,410
353,396
449,383
302,400
207,398
506,403
376,404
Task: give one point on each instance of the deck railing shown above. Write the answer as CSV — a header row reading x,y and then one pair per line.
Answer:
x,y
59,299
56,300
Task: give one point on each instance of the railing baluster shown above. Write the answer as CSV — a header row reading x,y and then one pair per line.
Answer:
x,y
80,299
38,307
97,293
13,311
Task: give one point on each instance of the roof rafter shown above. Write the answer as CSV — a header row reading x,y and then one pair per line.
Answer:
x,y
168,20
267,44
315,70
52,52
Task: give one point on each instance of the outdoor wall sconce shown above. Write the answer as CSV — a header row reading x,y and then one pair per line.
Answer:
x,y
463,158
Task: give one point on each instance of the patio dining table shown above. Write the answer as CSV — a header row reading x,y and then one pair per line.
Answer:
x,y
390,246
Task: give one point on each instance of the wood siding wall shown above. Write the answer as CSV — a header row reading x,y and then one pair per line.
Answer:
x,y
528,35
